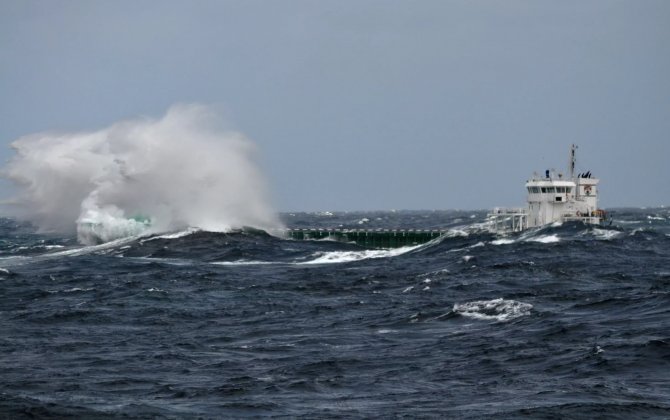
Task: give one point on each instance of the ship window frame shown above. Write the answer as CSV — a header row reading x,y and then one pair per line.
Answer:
x,y
551,190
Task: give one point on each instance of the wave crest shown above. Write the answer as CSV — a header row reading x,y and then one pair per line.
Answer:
x,y
493,310
184,169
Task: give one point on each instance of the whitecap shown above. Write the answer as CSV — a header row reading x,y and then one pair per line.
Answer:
x,y
455,233
79,289
349,256
605,235
503,241
545,239
477,245
493,310
94,248
174,235
242,262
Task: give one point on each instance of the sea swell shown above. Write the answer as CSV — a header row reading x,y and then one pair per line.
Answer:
x,y
562,321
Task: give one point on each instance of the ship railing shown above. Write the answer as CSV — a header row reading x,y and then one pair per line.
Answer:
x,y
508,219
507,211
572,217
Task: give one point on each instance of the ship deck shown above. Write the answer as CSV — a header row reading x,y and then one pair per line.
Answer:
x,y
369,238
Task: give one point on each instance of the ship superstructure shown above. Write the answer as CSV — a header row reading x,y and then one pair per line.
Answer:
x,y
553,198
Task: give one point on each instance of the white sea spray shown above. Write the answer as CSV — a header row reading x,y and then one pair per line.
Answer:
x,y
183,170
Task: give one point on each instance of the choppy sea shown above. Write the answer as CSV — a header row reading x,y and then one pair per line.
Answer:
x,y
568,321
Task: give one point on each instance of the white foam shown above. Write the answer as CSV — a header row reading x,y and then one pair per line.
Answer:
x,y
170,261
348,256
243,262
72,290
545,239
503,241
333,257
605,234
96,226
456,232
628,222
493,310
78,289
477,245
184,169
93,248
175,235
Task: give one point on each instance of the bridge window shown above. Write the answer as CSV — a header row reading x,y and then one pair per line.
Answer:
x,y
551,190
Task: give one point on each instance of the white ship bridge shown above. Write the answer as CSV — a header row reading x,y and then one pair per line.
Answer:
x,y
553,198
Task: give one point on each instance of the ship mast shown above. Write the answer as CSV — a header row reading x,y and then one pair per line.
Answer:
x,y
573,159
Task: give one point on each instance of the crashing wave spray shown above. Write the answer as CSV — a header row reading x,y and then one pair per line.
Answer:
x,y
183,170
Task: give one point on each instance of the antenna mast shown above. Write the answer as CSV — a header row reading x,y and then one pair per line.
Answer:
x,y
573,148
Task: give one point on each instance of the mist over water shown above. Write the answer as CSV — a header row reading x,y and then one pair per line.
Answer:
x,y
185,169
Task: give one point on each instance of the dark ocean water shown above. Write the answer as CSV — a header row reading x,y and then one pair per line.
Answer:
x,y
563,322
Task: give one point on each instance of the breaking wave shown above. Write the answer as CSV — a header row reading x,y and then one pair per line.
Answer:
x,y
349,256
185,169
493,310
